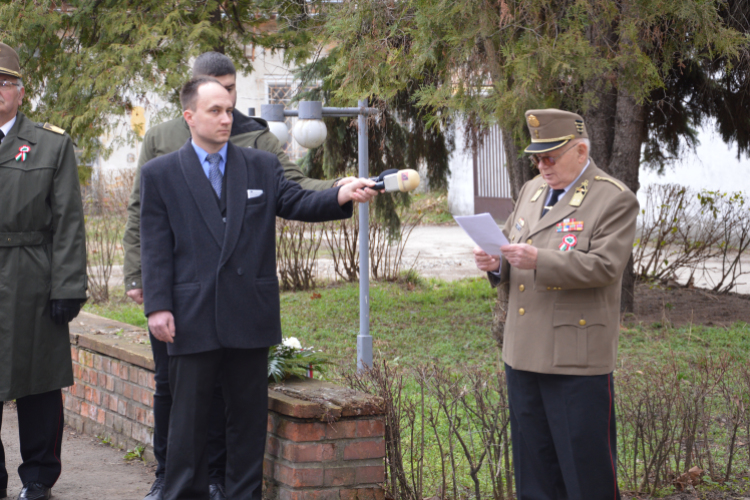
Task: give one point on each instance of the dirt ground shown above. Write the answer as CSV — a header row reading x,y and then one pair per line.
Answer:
x,y
91,470
656,303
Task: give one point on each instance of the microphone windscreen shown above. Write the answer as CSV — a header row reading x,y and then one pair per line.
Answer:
x,y
408,180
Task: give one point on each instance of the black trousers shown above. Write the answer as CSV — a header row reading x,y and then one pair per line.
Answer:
x,y
564,436
244,380
40,431
217,448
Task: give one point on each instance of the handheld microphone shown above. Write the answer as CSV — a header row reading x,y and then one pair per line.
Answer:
x,y
397,180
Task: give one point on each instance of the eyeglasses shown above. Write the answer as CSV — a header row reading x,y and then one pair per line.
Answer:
x,y
549,160
6,85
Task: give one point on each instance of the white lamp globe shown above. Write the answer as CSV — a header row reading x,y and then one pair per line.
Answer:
x,y
280,130
310,133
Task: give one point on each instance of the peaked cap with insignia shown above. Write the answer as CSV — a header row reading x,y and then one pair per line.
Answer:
x,y
9,63
552,128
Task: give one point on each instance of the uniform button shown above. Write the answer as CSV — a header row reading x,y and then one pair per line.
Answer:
x,y
582,322
522,311
521,287
513,239
528,241
240,271
549,288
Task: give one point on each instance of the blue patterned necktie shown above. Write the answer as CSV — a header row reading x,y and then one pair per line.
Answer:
x,y
214,173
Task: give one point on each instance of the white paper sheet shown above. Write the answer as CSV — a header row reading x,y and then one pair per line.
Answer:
x,y
485,232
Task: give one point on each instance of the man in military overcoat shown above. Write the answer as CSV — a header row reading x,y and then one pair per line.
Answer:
x,y
42,279
166,138
571,235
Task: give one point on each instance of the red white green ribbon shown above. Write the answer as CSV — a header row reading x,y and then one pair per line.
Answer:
x,y
21,156
568,243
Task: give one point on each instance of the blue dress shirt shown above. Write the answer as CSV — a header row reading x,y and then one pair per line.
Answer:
x,y
202,158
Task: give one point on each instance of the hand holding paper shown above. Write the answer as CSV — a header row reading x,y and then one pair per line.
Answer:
x,y
484,231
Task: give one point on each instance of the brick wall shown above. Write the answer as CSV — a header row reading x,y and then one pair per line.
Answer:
x,y
325,442
110,398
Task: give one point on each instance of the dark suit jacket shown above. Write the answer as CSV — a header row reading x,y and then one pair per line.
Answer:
x,y
219,279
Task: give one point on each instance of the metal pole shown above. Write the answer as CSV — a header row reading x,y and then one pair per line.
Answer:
x,y
364,340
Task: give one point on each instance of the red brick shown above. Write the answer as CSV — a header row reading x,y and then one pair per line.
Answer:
x,y
105,400
364,449
114,368
100,416
97,362
74,354
300,432
103,380
343,429
73,404
124,372
268,468
127,390
109,382
136,395
151,381
142,378
122,407
370,474
76,370
340,476
371,428
88,393
140,415
362,494
150,419
318,452
285,494
146,397
78,390
106,365
272,422
113,402
298,478
272,446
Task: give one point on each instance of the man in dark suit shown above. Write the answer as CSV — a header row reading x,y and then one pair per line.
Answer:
x,y
209,278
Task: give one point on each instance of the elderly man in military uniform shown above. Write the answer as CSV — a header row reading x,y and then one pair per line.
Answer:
x,y
571,235
159,140
42,279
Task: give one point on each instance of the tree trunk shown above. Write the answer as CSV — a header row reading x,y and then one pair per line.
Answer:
x,y
600,122
624,164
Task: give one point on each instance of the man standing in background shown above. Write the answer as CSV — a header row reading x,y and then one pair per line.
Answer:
x,y
166,138
42,279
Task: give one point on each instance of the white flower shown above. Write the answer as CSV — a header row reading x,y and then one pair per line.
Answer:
x,y
292,342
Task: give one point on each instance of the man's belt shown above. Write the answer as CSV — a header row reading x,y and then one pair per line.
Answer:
x,y
25,239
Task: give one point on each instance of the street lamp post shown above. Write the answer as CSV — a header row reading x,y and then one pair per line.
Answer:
x,y
310,132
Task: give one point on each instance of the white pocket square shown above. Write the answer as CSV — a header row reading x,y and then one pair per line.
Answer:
x,y
254,193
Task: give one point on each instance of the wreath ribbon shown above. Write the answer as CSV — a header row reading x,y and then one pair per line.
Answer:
x,y
568,243
21,156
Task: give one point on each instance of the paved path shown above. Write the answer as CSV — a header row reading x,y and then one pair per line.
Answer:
x,y
91,470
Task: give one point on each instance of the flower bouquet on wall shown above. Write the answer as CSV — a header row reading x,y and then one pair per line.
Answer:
x,y
289,359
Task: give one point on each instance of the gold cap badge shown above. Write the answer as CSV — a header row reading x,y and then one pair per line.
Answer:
x,y
533,121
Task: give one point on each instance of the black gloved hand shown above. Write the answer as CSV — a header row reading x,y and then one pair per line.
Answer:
x,y
63,311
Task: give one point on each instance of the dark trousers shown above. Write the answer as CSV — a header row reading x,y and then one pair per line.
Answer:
x,y
563,434
217,448
244,380
40,431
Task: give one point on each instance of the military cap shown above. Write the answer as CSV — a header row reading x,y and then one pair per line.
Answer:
x,y
552,128
9,63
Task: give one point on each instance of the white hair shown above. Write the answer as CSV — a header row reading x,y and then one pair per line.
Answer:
x,y
20,83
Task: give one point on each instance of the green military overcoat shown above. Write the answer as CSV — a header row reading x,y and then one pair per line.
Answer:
x,y
170,136
42,256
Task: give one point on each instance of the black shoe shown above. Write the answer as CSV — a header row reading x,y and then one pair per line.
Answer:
x,y
35,491
216,492
4,493
157,490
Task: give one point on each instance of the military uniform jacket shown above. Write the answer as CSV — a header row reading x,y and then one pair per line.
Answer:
x,y
170,136
564,316
42,257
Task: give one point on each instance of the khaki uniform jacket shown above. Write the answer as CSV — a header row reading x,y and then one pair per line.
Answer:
x,y
170,136
564,316
42,257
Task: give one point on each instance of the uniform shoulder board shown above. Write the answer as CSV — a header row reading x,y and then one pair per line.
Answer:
x,y
51,128
600,178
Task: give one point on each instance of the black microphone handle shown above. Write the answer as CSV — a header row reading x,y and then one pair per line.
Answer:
x,y
382,175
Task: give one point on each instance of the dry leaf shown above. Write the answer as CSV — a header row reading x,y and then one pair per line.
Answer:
x,y
315,295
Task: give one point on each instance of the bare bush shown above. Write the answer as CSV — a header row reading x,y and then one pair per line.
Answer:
x,y
105,210
297,245
386,250
687,234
